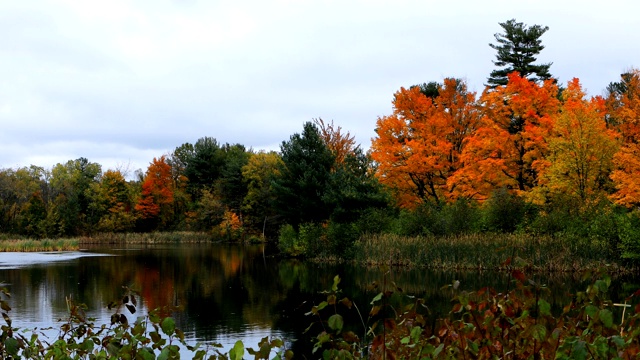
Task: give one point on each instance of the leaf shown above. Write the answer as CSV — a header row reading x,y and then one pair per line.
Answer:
x,y
346,302
376,298
168,326
336,281
437,351
544,307
11,345
237,352
336,322
146,354
322,305
606,317
518,275
5,306
538,332
131,308
591,311
579,350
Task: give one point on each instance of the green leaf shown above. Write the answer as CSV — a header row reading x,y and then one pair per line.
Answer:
x,y
168,326
322,305
606,317
438,350
405,340
336,322
591,310
237,352
416,332
539,332
376,298
336,281
544,307
146,354
11,345
164,354
579,351
473,347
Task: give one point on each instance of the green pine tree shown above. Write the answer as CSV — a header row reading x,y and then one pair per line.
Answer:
x,y
517,49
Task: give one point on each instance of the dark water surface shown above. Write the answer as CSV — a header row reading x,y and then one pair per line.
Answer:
x,y
228,292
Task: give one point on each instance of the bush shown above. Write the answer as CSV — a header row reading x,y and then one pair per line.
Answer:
x,y
309,240
504,211
341,238
289,242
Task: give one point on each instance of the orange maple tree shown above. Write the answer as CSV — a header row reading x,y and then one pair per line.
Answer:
x,y
156,200
419,146
624,108
508,145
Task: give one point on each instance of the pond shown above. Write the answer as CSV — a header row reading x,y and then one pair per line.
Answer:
x,y
227,292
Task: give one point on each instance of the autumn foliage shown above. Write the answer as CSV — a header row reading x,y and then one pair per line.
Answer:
x,y
624,107
527,137
419,146
156,199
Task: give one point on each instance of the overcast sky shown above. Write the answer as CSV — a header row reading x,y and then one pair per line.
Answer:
x,y
123,81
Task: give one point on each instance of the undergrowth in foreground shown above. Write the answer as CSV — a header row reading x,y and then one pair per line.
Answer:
x,y
484,324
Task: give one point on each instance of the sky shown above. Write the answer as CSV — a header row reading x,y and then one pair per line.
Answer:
x,y
120,82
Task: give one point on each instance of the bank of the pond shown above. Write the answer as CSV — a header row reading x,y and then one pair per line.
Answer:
x,y
167,237
29,245
488,252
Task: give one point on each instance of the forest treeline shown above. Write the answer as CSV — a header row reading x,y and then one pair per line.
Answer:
x,y
525,155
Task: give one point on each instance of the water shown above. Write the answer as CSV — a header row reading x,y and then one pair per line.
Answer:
x,y
227,292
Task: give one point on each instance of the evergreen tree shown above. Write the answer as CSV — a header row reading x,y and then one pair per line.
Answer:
x,y
305,173
517,50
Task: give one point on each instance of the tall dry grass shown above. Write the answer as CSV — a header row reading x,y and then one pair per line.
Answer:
x,y
481,251
28,245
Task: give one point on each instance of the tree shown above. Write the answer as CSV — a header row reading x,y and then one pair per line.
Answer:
x,y
304,175
230,185
340,144
155,206
205,165
510,141
623,105
418,147
517,49
581,148
353,188
111,203
258,175
70,186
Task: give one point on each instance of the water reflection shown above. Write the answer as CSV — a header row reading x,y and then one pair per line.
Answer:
x,y
230,292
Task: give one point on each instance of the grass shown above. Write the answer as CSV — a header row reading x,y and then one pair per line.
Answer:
x,y
483,251
21,244
28,245
182,237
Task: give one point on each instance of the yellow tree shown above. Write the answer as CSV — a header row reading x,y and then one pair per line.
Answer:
x,y
623,105
418,147
506,149
581,148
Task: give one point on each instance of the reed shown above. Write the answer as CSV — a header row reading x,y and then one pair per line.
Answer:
x,y
482,251
30,245
182,237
